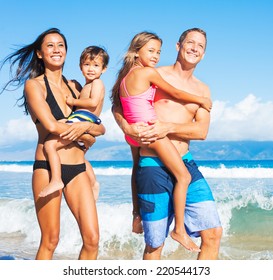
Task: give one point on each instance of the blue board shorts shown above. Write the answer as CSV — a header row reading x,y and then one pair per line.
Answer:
x,y
155,198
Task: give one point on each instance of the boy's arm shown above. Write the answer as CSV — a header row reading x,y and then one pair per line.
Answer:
x,y
90,100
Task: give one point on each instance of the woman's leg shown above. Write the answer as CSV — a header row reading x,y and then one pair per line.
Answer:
x,y
48,214
168,154
94,183
80,199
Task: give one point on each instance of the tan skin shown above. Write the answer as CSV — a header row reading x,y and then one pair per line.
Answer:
x,y
78,193
91,98
186,122
137,81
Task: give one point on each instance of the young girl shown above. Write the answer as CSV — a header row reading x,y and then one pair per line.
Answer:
x,y
135,90
93,62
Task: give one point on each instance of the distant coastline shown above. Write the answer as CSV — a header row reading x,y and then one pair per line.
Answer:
x,y
201,150
119,151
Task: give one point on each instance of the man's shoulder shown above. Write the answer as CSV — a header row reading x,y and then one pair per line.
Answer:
x,y
198,81
164,70
203,87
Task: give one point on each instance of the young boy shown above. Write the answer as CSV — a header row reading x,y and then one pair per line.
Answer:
x,y
93,62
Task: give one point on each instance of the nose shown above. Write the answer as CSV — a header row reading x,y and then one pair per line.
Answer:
x,y
194,47
56,48
157,56
90,69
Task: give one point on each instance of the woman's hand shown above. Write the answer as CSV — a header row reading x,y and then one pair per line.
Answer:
x,y
88,141
76,130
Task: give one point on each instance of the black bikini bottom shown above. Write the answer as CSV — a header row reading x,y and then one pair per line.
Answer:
x,y
69,171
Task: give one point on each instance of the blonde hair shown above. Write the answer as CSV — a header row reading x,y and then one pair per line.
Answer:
x,y
129,59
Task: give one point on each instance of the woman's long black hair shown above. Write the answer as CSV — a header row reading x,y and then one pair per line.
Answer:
x,y
25,64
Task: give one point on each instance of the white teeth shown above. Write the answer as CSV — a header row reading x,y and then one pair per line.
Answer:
x,y
57,58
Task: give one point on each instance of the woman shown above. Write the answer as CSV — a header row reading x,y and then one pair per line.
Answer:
x,y
40,66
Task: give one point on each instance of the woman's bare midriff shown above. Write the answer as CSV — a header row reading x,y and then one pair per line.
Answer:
x,y
70,154
181,146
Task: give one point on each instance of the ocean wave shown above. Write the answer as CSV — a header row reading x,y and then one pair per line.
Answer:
x,y
236,172
15,168
245,218
209,172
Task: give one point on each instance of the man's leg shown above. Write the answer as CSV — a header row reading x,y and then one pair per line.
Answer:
x,y
201,216
152,253
154,188
210,243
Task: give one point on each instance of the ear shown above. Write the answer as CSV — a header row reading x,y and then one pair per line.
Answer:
x,y
104,69
178,46
39,54
203,55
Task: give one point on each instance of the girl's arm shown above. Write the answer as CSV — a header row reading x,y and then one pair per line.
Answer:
x,y
196,130
156,79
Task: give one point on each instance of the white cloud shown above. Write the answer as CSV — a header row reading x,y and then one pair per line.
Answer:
x,y
113,132
23,129
250,119
17,130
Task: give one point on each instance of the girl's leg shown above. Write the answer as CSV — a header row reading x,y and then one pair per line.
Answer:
x,y
48,214
80,199
51,146
94,183
168,154
136,224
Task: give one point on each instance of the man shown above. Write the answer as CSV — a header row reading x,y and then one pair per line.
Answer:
x,y
181,123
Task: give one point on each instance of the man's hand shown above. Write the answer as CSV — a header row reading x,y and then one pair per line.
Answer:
x,y
135,130
157,131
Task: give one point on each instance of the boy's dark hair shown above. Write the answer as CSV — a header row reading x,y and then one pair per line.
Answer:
x,y
92,52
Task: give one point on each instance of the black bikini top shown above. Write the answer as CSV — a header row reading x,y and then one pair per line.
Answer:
x,y
51,101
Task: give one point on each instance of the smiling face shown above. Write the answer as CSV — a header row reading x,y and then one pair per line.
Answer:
x,y
192,48
53,50
93,68
149,54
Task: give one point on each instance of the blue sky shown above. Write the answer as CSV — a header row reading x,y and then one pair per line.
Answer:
x,y
237,66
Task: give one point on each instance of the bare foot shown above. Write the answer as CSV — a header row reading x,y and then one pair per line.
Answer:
x,y
96,190
137,225
185,241
51,188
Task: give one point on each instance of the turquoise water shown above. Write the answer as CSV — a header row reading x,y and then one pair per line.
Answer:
x,y
243,191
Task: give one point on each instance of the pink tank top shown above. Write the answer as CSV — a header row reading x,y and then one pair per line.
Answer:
x,y
138,108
